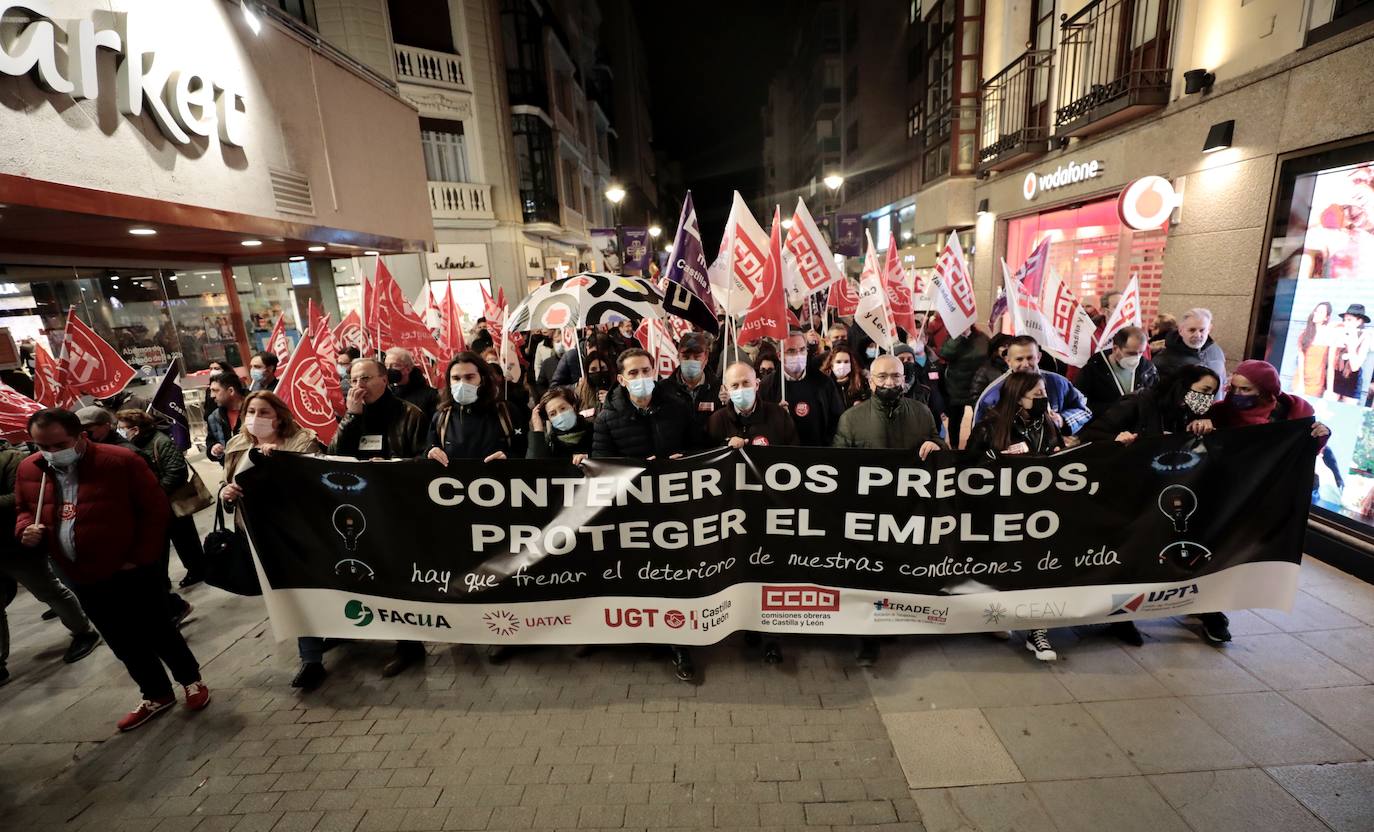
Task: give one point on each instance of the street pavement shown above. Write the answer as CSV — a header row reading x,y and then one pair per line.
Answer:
x,y
1273,732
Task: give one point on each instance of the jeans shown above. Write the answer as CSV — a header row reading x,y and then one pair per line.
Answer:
x,y
130,611
186,537
34,571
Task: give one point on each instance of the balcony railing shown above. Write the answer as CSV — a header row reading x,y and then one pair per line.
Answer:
x,y
425,66
460,201
1115,64
1016,118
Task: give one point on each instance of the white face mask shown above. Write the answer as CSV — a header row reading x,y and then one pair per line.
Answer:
x,y
462,392
1129,362
127,433
840,369
260,427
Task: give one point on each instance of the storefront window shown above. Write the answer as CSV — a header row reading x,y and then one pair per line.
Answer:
x,y
1314,322
1093,251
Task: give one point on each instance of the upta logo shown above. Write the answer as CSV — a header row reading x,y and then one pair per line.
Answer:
x,y
358,612
810,598
1159,599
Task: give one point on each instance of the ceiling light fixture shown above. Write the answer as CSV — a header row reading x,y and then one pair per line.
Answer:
x,y
251,243
293,258
143,232
371,253
315,248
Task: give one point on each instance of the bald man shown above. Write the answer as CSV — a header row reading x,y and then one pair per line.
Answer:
x,y
747,419
889,419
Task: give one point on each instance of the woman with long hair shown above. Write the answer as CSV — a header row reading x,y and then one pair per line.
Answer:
x,y
840,366
1019,424
594,385
1312,376
557,430
472,421
1176,404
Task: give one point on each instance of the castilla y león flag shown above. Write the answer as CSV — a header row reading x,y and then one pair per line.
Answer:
x,y
92,365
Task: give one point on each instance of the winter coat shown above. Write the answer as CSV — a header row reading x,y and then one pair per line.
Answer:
x,y
1144,414
121,513
303,441
401,424
1098,384
704,399
218,432
666,428
1177,354
551,443
904,426
963,356
1064,400
477,431
9,469
769,424
814,402
1037,438
988,373
418,392
167,460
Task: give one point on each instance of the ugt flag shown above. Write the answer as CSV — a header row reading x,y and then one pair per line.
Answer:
x,y
767,316
93,367
49,386
305,386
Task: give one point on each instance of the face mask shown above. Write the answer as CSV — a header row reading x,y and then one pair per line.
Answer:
x,y
462,392
919,345
259,426
1241,401
743,398
691,369
256,374
1039,407
795,365
921,358
600,380
909,374
64,458
888,395
871,352
840,369
393,377
1198,402
559,349
641,388
766,370
343,371
1129,362
564,420
127,433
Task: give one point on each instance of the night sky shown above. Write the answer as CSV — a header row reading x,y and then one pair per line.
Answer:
x,y
711,63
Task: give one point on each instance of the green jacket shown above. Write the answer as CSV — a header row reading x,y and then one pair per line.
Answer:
x,y
9,466
167,460
902,427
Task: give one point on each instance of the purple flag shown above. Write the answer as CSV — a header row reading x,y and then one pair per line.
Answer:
x,y
169,402
636,242
687,264
849,234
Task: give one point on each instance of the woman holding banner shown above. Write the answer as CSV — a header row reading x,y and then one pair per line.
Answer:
x,y
268,426
1019,424
557,430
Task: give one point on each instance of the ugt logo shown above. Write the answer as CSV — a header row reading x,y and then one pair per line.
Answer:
x,y
358,612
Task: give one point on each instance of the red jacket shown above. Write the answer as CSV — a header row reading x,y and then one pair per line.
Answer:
x,y
121,512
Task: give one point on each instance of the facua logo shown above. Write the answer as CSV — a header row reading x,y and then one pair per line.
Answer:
x,y
1171,598
501,622
812,598
358,612
889,610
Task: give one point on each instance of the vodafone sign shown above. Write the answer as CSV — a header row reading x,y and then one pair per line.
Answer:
x,y
1146,203
1067,174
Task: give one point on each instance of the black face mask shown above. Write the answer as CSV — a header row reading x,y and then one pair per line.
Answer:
x,y
909,370
393,377
888,395
599,380
1039,407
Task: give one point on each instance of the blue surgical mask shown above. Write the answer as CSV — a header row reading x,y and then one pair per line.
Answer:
x,y
921,359
743,398
257,374
462,392
641,388
691,368
871,352
1242,402
564,420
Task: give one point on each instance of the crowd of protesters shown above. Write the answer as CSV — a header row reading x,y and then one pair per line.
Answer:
x,y
90,495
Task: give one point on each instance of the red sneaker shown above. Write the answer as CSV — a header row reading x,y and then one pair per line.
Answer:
x,y
197,696
146,710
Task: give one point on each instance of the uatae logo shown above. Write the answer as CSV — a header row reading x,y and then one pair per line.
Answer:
x,y
1169,598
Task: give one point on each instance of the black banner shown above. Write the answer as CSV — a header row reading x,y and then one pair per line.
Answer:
x,y
793,539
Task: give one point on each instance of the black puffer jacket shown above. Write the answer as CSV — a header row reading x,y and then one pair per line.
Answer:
x,y
667,427
478,431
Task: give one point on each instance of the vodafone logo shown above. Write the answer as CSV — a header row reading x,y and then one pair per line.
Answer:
x,y
1069,174
1147,203
1028,186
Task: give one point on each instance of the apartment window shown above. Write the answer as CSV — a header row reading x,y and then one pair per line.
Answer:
x,y
445,150
913,63
830,75
302,10
913,122
422,23
1331,17
949,117
522,34
535,168
572,190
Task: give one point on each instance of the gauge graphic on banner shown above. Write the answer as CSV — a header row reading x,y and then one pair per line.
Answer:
x,y
1146,203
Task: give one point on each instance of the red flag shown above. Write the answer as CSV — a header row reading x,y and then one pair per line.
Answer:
x,y
398,324
369,311
278,342
767,315
811,266
313,317
658,342
15,410
843,299
305,386
350,333
1127,313
873,316
48,379
322,340
454,342
92,366
954,297
434,314
898,294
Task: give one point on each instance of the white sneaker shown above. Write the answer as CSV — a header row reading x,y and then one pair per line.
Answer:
x,y
1038,642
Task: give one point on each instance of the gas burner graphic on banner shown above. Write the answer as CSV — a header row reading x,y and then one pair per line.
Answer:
x,y
1185,554
355,569
1173,462
345,481
1178,502
350,523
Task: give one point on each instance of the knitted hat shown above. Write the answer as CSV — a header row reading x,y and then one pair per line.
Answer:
x,y
903,349
1261,374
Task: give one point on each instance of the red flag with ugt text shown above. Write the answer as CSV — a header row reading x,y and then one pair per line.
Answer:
x,y
898,293
322,341
93,366
350,333
278,342
15,410
48,386
767,315
843,299
305,386
398,324
454,342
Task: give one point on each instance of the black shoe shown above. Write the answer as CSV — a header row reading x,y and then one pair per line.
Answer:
x,y
81,646
1127,632
191,579
682,662
179,617
49,614
868,652
1216,627
4,676
407,654
772,653
499,653
310,676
